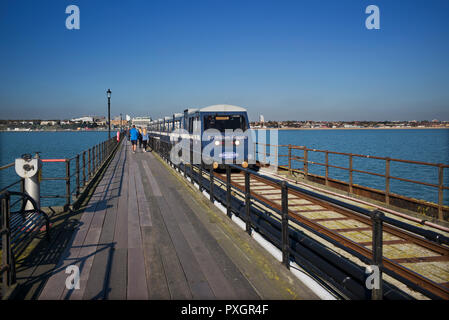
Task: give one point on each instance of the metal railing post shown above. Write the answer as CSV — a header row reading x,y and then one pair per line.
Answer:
x,y
8,277
200,177
77,175
264,154
290,159
387,180
84,168
191,173
376,217
228,191
93,161
67,177
211,183
306,163
89,171
22,189
97,154
327,168
350,173
285,238
248,202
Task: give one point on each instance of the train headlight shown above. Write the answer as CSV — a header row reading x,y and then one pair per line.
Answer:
x,y
217,142
237,142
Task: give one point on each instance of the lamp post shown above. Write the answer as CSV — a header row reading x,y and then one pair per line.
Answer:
x,y
120,122
109,113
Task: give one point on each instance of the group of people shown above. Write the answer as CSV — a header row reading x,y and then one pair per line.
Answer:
x,y
138,135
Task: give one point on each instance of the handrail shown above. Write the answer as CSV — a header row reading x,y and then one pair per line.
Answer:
x,y
77,174
306,162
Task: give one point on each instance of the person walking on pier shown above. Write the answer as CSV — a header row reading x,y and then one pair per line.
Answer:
x,y
133,134
144,139
139,137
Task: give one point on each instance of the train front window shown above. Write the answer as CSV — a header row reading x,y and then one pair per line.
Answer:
x,y
223,122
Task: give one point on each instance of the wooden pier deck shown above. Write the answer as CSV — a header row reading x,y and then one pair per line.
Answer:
x,y
146,234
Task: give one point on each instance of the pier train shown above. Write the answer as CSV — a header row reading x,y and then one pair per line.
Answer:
x,y
227,146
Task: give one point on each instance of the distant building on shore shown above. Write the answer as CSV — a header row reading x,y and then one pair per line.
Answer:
x,y
83,119
141,121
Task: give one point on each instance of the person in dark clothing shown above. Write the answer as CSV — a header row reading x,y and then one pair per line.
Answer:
x,y
144,139
140,138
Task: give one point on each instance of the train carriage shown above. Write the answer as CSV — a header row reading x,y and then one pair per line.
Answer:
x,y
220,132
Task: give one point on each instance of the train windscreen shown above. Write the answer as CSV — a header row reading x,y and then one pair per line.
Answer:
x,y
223,122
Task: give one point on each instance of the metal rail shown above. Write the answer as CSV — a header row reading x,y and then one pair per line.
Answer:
x,y
365,217
304,169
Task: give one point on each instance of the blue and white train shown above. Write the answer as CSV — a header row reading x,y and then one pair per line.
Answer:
x,y
229,138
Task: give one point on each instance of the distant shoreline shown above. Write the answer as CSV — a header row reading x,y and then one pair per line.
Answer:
x,y
58,131
433,128
114,131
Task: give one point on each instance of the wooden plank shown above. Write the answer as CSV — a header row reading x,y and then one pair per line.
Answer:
x,y
152,180
216,280
157,284
118,277
134,237
142,203
136,280
98,283
197,281
214,237
175,277
121,228
84,262
137,283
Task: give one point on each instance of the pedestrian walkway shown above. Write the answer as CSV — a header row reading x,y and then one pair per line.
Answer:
x,y
146,234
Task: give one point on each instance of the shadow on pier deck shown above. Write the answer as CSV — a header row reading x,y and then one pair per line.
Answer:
x,y
145,235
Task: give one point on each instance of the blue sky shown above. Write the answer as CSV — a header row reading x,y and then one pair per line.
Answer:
x,y
283,59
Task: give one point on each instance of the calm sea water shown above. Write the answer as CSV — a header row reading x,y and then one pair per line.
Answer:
x,y
427,145
51,145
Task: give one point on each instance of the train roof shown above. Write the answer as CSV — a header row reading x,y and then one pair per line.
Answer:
x,y
223,107
191,110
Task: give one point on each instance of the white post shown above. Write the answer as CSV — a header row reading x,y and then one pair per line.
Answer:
x,y
29,169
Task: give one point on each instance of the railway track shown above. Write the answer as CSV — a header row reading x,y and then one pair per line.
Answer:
x,y
422,262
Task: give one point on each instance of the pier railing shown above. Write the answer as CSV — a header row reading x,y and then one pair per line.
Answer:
x,y
79,171
280,227
301,161
19,226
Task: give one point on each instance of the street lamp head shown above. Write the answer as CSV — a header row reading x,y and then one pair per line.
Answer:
x,y
109,93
